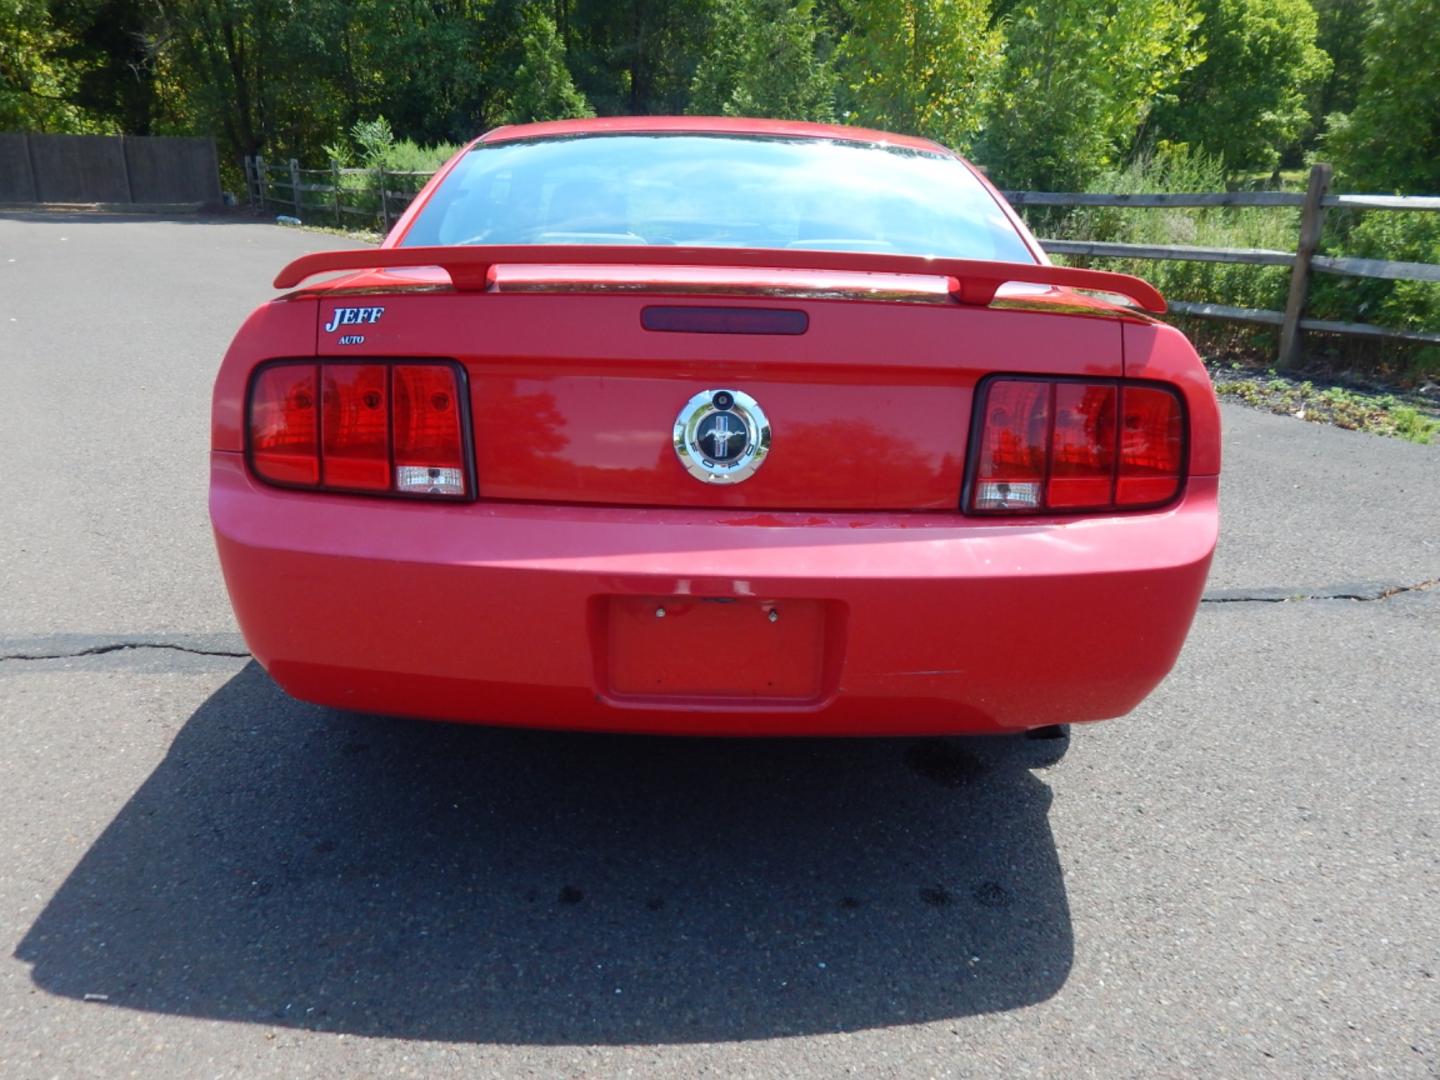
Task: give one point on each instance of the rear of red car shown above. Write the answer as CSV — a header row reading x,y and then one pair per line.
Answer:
x,y
689,492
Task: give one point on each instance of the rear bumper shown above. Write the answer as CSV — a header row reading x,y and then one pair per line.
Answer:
x,y
545,615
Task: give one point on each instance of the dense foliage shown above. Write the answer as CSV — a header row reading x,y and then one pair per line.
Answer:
x,y
1248,101
38,87
1390,140
927,68
765,60
1047,93
1078,83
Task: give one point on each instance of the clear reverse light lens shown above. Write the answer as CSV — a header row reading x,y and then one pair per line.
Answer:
x,y
1000,495
428,480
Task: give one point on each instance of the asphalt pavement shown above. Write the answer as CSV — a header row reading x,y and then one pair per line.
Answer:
x,y
204,877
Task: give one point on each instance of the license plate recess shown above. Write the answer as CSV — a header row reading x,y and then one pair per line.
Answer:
x,y
742,650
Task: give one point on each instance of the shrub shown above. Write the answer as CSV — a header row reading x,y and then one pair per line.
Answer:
x,y
373,145
1408,237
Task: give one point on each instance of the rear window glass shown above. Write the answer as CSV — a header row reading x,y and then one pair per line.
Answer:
x,y
718,191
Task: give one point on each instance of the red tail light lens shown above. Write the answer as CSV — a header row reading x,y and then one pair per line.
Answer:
x,y
356,426
285,425
1152,438
1082,446
396,429
1067,445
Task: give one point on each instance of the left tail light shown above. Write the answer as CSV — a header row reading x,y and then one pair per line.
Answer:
x,y
1062,446
382,429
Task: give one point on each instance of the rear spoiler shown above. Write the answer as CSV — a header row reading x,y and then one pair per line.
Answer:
x,y
974,281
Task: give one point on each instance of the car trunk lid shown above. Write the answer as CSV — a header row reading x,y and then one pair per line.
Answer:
x,y
577,374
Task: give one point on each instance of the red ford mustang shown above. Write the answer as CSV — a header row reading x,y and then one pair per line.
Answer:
x,y
713,426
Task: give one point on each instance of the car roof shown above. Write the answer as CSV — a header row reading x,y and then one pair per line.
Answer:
x,y
707,125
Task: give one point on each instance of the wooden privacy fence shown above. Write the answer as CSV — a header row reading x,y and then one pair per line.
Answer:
x,y
155,170
343,197
1303,261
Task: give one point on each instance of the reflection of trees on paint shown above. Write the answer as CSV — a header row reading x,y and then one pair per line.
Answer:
x,y
517,436
1084,427
854,457
524,453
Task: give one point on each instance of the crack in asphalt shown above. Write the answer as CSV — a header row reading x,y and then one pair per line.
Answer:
x,y
1360,593
123,646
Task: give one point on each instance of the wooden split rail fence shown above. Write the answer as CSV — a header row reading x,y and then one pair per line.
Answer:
x,y
325,193
1303,261
306,193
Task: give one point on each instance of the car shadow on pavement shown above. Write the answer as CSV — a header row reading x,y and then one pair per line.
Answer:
x,y
293,866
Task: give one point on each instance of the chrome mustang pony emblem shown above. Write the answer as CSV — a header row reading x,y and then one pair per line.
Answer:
x,y
721,436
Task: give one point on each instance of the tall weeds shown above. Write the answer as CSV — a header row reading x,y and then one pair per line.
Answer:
x,y
1272,228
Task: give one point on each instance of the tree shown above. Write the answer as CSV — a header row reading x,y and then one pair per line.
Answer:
x,y
220,64
636,56
106,43
285,77
1079,82
1391,140
542,88
1248,101
925,67
1340,34
766,60
439,69
37,81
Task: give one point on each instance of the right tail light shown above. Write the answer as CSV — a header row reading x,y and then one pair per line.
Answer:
x,y
1043,446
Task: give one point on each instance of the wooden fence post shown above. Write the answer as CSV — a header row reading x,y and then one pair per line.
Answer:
x,y
125,164
335,183
253,191
295,187
384,201
1312,218
30,163
260,168
219,180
